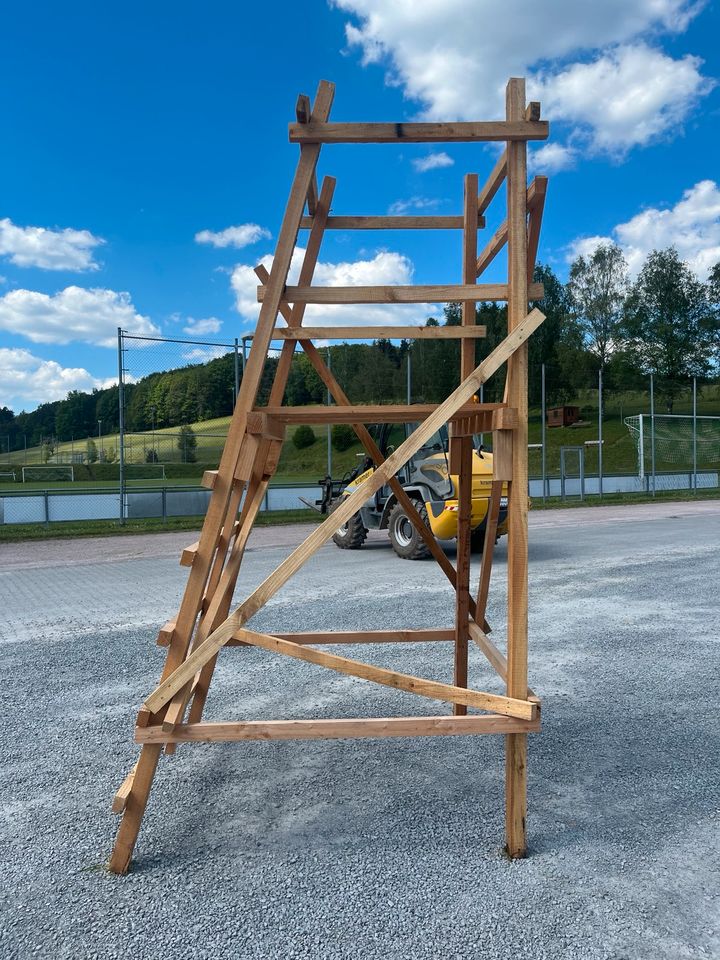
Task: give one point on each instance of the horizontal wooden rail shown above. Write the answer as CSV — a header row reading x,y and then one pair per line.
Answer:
x,y
457,132
337,729
379,333
430,222
375,413
435,293
371,636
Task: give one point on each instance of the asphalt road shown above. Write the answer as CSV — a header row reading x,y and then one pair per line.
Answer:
x,y
387,848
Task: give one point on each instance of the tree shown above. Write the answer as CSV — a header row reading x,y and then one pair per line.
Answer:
x,y
598,287
303,437
343,436
670,326
91,451
187,442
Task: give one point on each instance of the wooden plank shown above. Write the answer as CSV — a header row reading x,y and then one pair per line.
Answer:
x,y
534,224
494,656
135,804
493,183
321,534
187,557
370,636
344,729
532,111
208,479
432,689
123,792
491,525
432,293
372,413
465,448
517,563
165,634
303,108
392,223
377,333
454,132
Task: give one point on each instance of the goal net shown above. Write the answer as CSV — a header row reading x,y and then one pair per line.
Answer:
x,y
53,473
678,445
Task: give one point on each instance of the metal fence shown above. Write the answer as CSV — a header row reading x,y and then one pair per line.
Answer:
x,y
149,450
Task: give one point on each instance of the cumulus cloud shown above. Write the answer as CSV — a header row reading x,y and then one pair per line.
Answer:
x,y
385,268
201,328
400,207
74,313
27,380
49,249
204,354
243,235
552,157
584,59
692,226
433,161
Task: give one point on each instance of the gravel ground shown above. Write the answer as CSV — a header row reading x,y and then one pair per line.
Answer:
x,y
371,849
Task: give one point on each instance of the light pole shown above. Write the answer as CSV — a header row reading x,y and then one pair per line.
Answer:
x,y
153,411
102,452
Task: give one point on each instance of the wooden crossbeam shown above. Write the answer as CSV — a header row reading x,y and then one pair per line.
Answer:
x,y
496,658
432,293
372,413
432,689
417,222
455,132
442,726
534,223
321,534
380,333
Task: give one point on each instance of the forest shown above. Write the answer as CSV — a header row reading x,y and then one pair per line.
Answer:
x,y
665,322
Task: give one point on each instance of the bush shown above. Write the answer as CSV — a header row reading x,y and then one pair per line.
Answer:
x,y
151,456
91,451
187,442
343,436
304,437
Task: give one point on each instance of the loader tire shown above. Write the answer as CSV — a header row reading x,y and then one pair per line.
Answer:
x,y
406,541
352,535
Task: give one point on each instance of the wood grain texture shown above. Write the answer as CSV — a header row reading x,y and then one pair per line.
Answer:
x,y
442,726
392,223
376,333
453,132
432,293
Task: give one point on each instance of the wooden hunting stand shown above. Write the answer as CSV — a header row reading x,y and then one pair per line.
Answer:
x,y
204,623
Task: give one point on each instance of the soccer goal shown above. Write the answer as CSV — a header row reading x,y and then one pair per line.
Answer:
x,y
52,473
675,443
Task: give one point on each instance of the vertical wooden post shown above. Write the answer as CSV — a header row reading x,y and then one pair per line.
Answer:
x,y
464,447
516,743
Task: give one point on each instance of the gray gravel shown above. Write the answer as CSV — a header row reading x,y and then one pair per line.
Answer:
x,y
371,849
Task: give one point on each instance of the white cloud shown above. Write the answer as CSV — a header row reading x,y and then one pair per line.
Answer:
x,y
201,328
27,380
204,354
454,58
433,161
385,268
49,249
611,103
400,207
551,157
692,226
244,235
74,313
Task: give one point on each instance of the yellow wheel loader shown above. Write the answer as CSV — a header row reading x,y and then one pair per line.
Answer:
x,y
426,479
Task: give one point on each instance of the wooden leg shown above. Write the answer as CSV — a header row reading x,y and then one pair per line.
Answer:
x,y
462,595
135,808
515,794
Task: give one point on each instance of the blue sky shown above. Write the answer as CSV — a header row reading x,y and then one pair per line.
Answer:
x,y
128,129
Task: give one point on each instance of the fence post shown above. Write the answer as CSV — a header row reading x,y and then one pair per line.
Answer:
x,y
164,504
543,464
46,501
652,430
408,355
329,431
600,433
695,434
121,426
